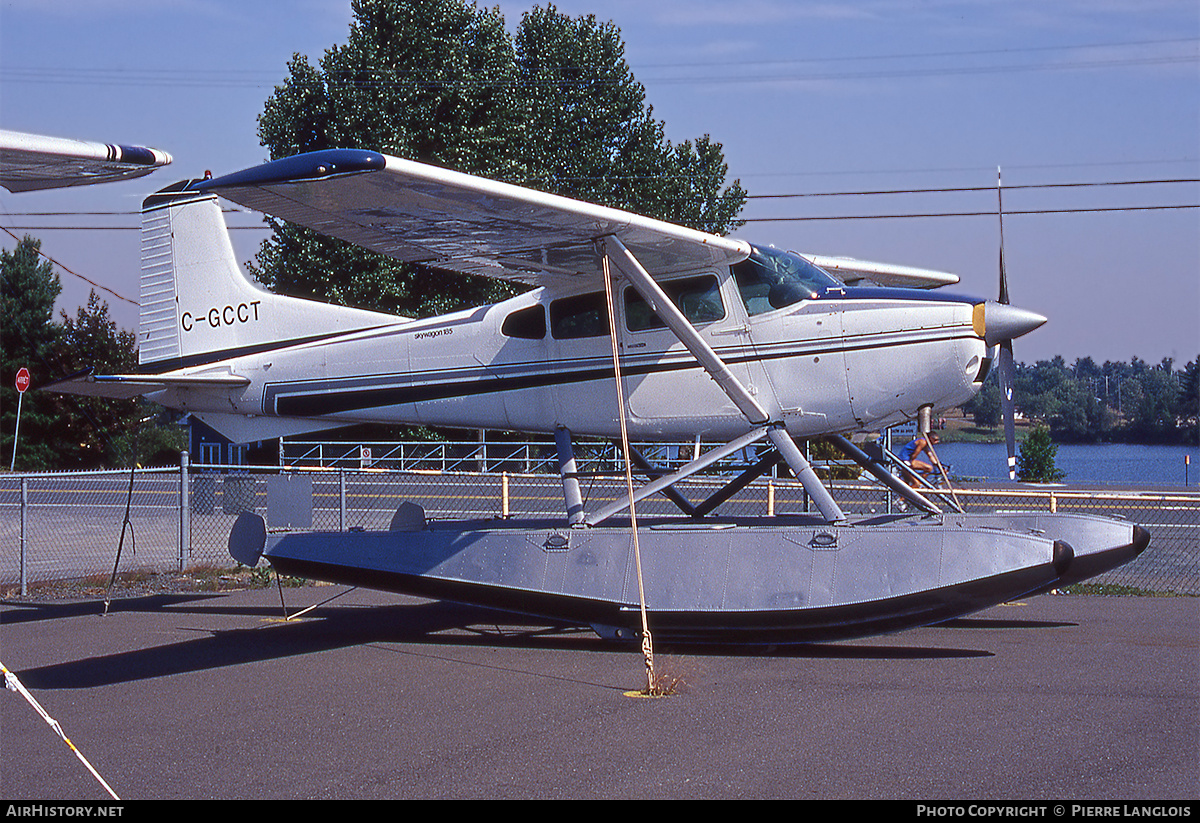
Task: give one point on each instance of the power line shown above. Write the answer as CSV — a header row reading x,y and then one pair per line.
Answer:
x,y
874,192
1007,212
259,78
968,169
927,55
992,214
975,188
93,283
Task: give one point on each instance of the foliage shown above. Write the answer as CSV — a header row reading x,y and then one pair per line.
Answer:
x,y
1035,463
1189,401
591,135
61,431
28,289
1090,403
442,82
113,432
985,408
410,81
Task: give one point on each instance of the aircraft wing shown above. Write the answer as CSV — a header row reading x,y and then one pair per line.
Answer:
x,y
29,162
448,220
853,272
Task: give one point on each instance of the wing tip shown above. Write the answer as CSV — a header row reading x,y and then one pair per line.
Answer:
x,y
299,168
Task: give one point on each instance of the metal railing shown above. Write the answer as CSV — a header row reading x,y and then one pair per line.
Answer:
x,y
525,457
68,525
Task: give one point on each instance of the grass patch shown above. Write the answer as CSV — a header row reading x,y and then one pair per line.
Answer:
x,y
206,579
1117,590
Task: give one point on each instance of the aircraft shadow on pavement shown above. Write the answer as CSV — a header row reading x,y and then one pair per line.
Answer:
x,y
991,623
26,612
335,627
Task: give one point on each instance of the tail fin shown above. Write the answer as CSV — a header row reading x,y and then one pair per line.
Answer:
x,y
197,304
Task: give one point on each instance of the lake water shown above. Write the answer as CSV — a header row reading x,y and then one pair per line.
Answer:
x,y
1113,463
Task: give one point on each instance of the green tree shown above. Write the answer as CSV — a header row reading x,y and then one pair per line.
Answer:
x,y
28,289
104,432
442,82
432,81
985,408
1153,415
591,134
1189,401
62,431
1035,462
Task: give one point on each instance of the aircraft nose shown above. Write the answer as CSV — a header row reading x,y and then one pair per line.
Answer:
x,y
997,322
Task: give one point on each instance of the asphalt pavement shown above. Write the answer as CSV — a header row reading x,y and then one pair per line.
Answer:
x,y
196,696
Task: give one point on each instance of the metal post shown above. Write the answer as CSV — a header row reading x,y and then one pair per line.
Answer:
x,y
342,498
887,444
504,510
17,433
185,509
570,480
24,533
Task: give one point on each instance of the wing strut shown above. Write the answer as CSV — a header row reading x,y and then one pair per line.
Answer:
x,y
699,464
883,476
755,414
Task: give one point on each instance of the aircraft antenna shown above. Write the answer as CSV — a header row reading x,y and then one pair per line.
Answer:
x,y
647,641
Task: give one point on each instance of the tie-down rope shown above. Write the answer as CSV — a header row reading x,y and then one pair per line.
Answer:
x,y
13,684
647,642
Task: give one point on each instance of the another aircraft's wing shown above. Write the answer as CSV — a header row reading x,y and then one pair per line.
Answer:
x,y
449,220
853,272
29,162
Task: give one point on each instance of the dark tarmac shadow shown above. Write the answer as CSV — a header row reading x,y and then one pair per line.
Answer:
x,y
990,623
332,627
15,612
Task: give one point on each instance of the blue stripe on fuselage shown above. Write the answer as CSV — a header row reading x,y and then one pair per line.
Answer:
x,y
894,293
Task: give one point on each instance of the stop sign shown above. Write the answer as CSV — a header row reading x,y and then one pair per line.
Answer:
x,y
22,379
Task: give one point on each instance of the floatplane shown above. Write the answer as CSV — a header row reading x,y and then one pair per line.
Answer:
x,y
632,328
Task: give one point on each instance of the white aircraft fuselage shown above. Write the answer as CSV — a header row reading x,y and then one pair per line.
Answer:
x,y
838,359
823,364
716,337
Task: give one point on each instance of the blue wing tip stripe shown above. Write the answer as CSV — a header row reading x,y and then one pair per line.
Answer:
x,y
300,168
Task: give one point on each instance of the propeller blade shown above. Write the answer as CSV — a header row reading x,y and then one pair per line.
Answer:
x,y
1000,210
1007,369
1007,407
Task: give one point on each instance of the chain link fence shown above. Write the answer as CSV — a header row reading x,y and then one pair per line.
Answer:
x,y
68,526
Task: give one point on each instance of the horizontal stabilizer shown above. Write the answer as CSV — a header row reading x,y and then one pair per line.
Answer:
x,y
126,386
853,272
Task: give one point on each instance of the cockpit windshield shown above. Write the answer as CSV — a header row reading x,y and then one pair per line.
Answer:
x,y
771,279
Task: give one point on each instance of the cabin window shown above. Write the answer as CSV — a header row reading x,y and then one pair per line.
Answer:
x,y
584,315
529,323
771,279
698,298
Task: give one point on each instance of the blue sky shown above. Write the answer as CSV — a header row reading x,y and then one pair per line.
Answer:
x,y
806,97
